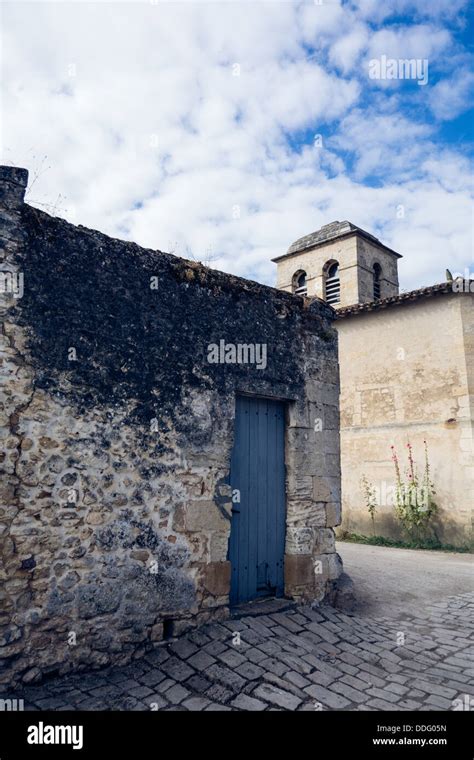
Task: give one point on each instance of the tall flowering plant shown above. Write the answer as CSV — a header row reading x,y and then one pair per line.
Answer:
x,y
414,503
370,499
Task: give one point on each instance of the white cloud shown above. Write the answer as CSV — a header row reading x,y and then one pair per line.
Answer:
x,y
421,41
153,138
346,51
383,143
451,97
378,11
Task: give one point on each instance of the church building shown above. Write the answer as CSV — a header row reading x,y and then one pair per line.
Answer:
x,y
406,374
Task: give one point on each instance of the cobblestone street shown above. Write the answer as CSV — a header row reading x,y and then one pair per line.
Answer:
x,y
297,658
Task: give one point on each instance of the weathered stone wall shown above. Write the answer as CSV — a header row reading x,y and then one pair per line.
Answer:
x,y
368,255
356,256
343,250
407,375
117,435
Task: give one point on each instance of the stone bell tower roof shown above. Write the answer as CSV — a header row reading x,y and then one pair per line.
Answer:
x,y
341,264
328,233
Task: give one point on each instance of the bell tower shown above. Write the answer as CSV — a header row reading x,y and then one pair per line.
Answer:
x,y
341,264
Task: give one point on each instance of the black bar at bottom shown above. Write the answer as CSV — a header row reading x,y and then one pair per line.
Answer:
x,y
140,734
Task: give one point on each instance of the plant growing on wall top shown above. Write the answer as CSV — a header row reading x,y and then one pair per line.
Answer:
x,y
414,503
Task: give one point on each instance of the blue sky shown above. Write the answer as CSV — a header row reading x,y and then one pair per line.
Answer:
x,y
224,131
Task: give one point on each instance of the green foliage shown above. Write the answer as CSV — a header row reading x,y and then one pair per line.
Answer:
x,y
414,503
429,543
370,499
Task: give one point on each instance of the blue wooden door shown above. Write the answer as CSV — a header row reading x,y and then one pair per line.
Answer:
x,y
257,478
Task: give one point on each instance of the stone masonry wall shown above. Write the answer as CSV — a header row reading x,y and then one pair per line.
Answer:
x,y
313,262
356,257
406,375
117,434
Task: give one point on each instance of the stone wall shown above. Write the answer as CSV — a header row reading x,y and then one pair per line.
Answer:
x,y
407,375
356,257
117,435
367,256
343,250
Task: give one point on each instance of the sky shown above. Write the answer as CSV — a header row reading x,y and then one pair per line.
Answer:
x,y
223,131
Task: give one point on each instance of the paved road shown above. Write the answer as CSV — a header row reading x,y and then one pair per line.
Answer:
x,y
391,582
414,651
